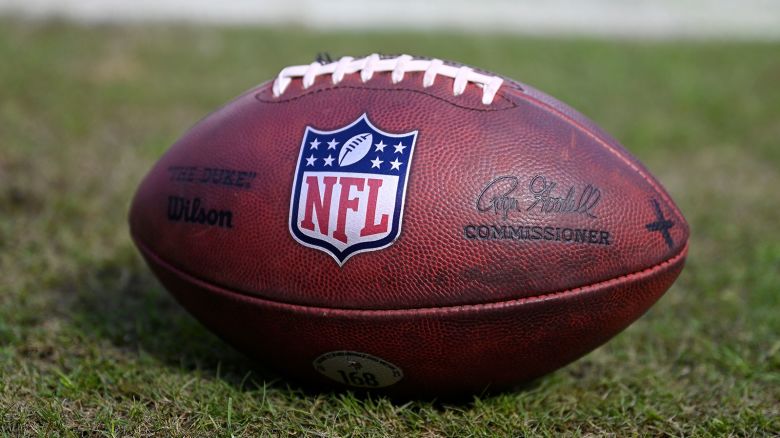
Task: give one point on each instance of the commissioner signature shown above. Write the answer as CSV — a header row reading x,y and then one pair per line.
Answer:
x,y
501,196
543,191
494,198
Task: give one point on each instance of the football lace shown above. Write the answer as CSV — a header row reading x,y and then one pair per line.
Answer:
x,y
399,66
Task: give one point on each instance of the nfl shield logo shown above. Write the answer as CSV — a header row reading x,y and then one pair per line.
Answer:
x,y
349,190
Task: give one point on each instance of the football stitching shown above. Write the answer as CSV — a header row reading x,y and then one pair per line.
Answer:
x,y
443,309
397,66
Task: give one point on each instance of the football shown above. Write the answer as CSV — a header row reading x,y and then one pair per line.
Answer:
x,y
355,149
407,224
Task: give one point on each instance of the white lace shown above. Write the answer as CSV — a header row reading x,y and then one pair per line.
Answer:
x,y
398,66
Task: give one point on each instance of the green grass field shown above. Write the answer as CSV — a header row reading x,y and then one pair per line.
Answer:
x,y
91,345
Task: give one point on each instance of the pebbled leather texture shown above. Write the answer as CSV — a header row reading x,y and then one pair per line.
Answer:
x,y
441,350
453,312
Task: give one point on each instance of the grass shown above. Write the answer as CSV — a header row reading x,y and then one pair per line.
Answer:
x,y
91,345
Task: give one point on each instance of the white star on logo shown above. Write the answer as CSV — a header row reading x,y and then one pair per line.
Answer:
x,y
329,160
332,144
395,164
310,161
399,148
380,147
315,143
376,162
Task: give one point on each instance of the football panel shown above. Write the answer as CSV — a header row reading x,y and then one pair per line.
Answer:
x,y
438,350
452,248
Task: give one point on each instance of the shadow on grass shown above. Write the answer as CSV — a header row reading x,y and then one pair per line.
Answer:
x,y
121,301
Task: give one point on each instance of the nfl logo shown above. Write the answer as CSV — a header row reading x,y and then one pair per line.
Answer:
x,y
349,190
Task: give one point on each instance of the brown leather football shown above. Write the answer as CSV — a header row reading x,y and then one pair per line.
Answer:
x,y
407,224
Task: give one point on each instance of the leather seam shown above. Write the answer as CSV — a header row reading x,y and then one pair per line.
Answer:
x,y
442,309
511,103
610,148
